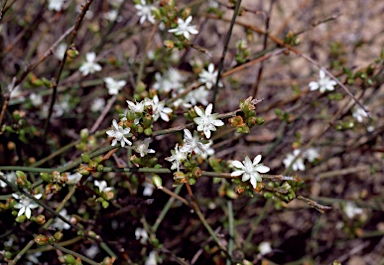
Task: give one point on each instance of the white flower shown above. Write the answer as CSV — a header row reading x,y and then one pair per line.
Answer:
x,y
177,157
142,147
36,99
56,5
351,210
119,133
102,185
113,85
11,177
74,178
90,66
151,258
25,204
192,144
137,107
171,80
148,189
265,248
60,224
324,83
299,163
141,234
60,51
145,12
359,114
311,154
97,104
250,170
92,251
209,77
159,109
112,16
183,28
199,95
207,121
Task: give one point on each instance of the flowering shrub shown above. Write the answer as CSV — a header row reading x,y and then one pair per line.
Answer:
x,y
128,128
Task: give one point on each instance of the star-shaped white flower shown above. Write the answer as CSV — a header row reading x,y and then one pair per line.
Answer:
x,y
359,114
60,224
159,109
207,121
324,83
141,233
311,154
183,28
177,157
299,163
113,85
144,11
209,77
192,144
142,147
11,177
25,204
119,133
102,185
250,170
90,66
137,107
351,210
199,95
98,104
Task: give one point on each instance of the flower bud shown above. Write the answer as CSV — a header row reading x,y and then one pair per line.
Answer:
x,y
7,255
68,259
157,182
85,158
40,219
41,240
148,132
21,218
21,180
46,177
84,134
58,235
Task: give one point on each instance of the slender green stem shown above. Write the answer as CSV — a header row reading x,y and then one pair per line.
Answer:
x,y
83,258
21,253
231,231
165,210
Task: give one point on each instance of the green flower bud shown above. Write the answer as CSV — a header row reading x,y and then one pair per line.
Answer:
x,y
46,177
68,259
105,204
58,235
85,158
157,181
21,218
268,195
84,134
148,132
7,255
100,168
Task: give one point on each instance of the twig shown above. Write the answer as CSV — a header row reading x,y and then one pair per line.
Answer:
x,y
313,204
57,80
165,210
103,114
260,70
297,52
221,64
83,258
